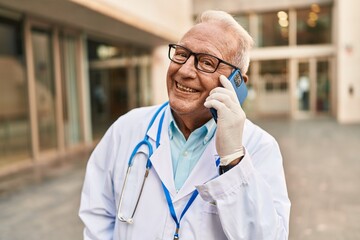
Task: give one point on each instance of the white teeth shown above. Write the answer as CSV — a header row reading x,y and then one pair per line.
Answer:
x,y
185,89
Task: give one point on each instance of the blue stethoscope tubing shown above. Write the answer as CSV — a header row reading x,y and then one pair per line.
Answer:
x,y
147,143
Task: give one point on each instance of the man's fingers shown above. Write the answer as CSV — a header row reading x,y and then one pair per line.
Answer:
x,y
214,103
221,97
224,91
226,83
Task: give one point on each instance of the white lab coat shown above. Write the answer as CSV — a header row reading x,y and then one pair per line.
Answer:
x,y
248,202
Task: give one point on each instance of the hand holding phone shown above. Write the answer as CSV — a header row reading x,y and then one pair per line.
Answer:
x,y
239,85
231,119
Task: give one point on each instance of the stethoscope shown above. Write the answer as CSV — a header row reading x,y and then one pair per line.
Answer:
x,y
146,142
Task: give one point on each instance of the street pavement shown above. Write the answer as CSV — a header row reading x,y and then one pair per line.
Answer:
x,y
322,167
43,207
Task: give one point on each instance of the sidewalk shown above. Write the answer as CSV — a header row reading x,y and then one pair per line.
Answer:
x,y
46,209
322,167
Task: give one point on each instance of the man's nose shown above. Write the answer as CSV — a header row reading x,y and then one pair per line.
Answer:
x,y
188,68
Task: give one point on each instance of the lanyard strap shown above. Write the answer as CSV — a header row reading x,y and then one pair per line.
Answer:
x,y
167,193
172,210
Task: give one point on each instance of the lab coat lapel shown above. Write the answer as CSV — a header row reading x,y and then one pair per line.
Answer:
x,y
204,170
161,158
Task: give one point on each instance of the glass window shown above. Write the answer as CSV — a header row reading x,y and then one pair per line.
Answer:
x,y
98,50
274,75
273,29
273,95
99,97
143,83
14,110
45,88
116,86
109,98
323,86
70,93
314,25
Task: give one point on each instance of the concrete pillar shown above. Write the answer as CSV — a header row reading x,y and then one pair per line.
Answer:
x,y
347,18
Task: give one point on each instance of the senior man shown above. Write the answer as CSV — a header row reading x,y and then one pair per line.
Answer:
x,y
173,172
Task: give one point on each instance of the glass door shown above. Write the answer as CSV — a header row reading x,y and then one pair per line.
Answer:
x,y
323,86
313,87
45,88
303,87
109,97
119,80
70,89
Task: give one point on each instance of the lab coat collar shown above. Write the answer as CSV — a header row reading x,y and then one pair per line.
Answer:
x,y
161,158
153,131
203,171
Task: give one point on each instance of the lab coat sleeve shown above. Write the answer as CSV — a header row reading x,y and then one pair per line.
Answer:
x,y
252,201
97,209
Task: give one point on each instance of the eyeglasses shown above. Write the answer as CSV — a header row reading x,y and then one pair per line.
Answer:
x,y
203,61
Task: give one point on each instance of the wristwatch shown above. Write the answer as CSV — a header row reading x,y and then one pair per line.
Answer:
x,y
225,168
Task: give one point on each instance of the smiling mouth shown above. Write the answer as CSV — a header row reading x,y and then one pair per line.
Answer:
x,y
184,89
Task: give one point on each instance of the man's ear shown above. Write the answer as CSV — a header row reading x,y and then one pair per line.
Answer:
x,y
245,77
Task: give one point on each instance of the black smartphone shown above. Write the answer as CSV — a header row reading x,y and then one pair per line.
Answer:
x,y
239,85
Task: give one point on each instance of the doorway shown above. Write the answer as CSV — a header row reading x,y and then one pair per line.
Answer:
x,y
109,97
313,87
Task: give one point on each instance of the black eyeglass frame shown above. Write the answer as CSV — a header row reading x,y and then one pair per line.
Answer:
x,y
172,45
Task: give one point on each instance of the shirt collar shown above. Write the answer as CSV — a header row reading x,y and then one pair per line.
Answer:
x,y
209,127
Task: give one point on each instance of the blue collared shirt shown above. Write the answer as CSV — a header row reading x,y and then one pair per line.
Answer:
x,y
186,153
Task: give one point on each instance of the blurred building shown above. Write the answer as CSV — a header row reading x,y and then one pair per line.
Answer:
x,y
306,58
69,68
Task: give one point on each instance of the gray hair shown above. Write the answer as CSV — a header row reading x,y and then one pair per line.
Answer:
x,y
244,40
